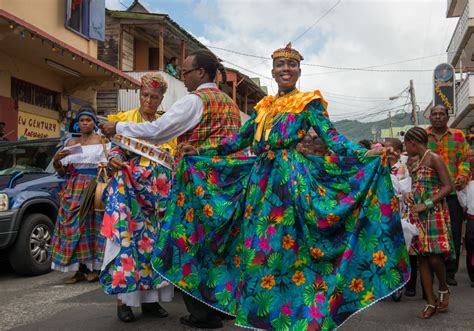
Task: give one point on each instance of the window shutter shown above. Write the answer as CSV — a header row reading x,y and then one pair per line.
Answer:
x,y
97,20
68,12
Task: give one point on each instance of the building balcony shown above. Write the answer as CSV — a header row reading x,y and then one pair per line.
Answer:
x,y
461,47
455,8
464,117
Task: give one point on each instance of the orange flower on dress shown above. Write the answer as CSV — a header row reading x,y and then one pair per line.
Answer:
x,y
271,155
180,199
268,282
190,215
374,201
332,218
237,261
357,285
216,159
248,211
284,154
394,203
301,133
321,191
316,253
288,242
208,210
379,258
369,296
298,278
199,191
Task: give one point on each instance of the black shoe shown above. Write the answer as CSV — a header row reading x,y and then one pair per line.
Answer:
x,y
225,316
472,284
154,308
452,281
191,321
410,292
125,313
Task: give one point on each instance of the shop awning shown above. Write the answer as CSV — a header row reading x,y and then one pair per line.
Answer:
x,y
24,41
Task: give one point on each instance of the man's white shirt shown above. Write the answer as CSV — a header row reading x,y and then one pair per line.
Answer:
x,y
183,116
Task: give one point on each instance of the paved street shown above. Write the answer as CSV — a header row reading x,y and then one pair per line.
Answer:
x,y
44,303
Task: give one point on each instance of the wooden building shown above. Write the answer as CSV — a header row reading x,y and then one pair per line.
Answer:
x,y
137,41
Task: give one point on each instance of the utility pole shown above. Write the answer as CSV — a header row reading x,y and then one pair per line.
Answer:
x,y
390,123
413,103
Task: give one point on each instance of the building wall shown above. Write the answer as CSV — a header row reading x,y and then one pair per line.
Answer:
x,y
128,50
141,55
31,114
108,51
49,15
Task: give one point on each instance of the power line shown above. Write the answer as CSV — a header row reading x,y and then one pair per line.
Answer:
x,y
376,66
367,68
317,21
123,5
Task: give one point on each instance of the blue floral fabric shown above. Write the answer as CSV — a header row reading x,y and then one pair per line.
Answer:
x,y
283,241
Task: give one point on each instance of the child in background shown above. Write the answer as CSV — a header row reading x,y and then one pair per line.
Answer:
x,y
429,212
401,182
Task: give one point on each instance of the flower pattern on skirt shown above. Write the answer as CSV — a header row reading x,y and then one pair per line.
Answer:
x,y
135,196
281,241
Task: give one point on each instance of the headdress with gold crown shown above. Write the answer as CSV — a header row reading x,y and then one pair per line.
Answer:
x,y
288,53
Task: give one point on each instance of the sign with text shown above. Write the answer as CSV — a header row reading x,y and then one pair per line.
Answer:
x,y
32,126
443,82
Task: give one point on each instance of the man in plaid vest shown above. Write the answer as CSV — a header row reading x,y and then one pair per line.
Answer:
x,y
200,119
452,146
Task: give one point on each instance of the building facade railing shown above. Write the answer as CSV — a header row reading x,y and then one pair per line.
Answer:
x,y
459,34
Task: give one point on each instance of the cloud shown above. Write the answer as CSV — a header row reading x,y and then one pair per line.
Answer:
x,y
116,4
354,34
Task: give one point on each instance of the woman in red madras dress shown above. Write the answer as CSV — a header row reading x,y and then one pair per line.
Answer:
x,y
77,244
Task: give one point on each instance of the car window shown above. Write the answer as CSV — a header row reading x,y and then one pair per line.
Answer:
x,y
28,158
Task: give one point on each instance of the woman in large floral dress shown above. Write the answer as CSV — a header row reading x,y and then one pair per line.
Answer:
x,y
136,196
283,241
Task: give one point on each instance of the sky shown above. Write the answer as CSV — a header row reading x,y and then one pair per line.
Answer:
x,y
334,36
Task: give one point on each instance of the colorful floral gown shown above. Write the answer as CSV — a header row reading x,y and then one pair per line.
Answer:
x,y
282,241
434,226
134,199
76,241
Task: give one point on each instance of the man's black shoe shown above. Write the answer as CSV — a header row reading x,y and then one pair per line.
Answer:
x,y
154,308
225,316
191,321
125,313
472,284
452,281
410,292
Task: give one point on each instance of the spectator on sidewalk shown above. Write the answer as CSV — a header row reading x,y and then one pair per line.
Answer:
x,y
452,146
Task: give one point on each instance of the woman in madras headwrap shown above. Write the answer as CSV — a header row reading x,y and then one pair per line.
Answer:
x,y
77,244
283,241
138,190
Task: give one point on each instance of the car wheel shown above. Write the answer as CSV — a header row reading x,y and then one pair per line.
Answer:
x,y
30,255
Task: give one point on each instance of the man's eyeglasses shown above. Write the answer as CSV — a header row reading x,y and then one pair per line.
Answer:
x,y
185,72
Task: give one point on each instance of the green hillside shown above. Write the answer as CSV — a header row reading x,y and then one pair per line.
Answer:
x,y
357,131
